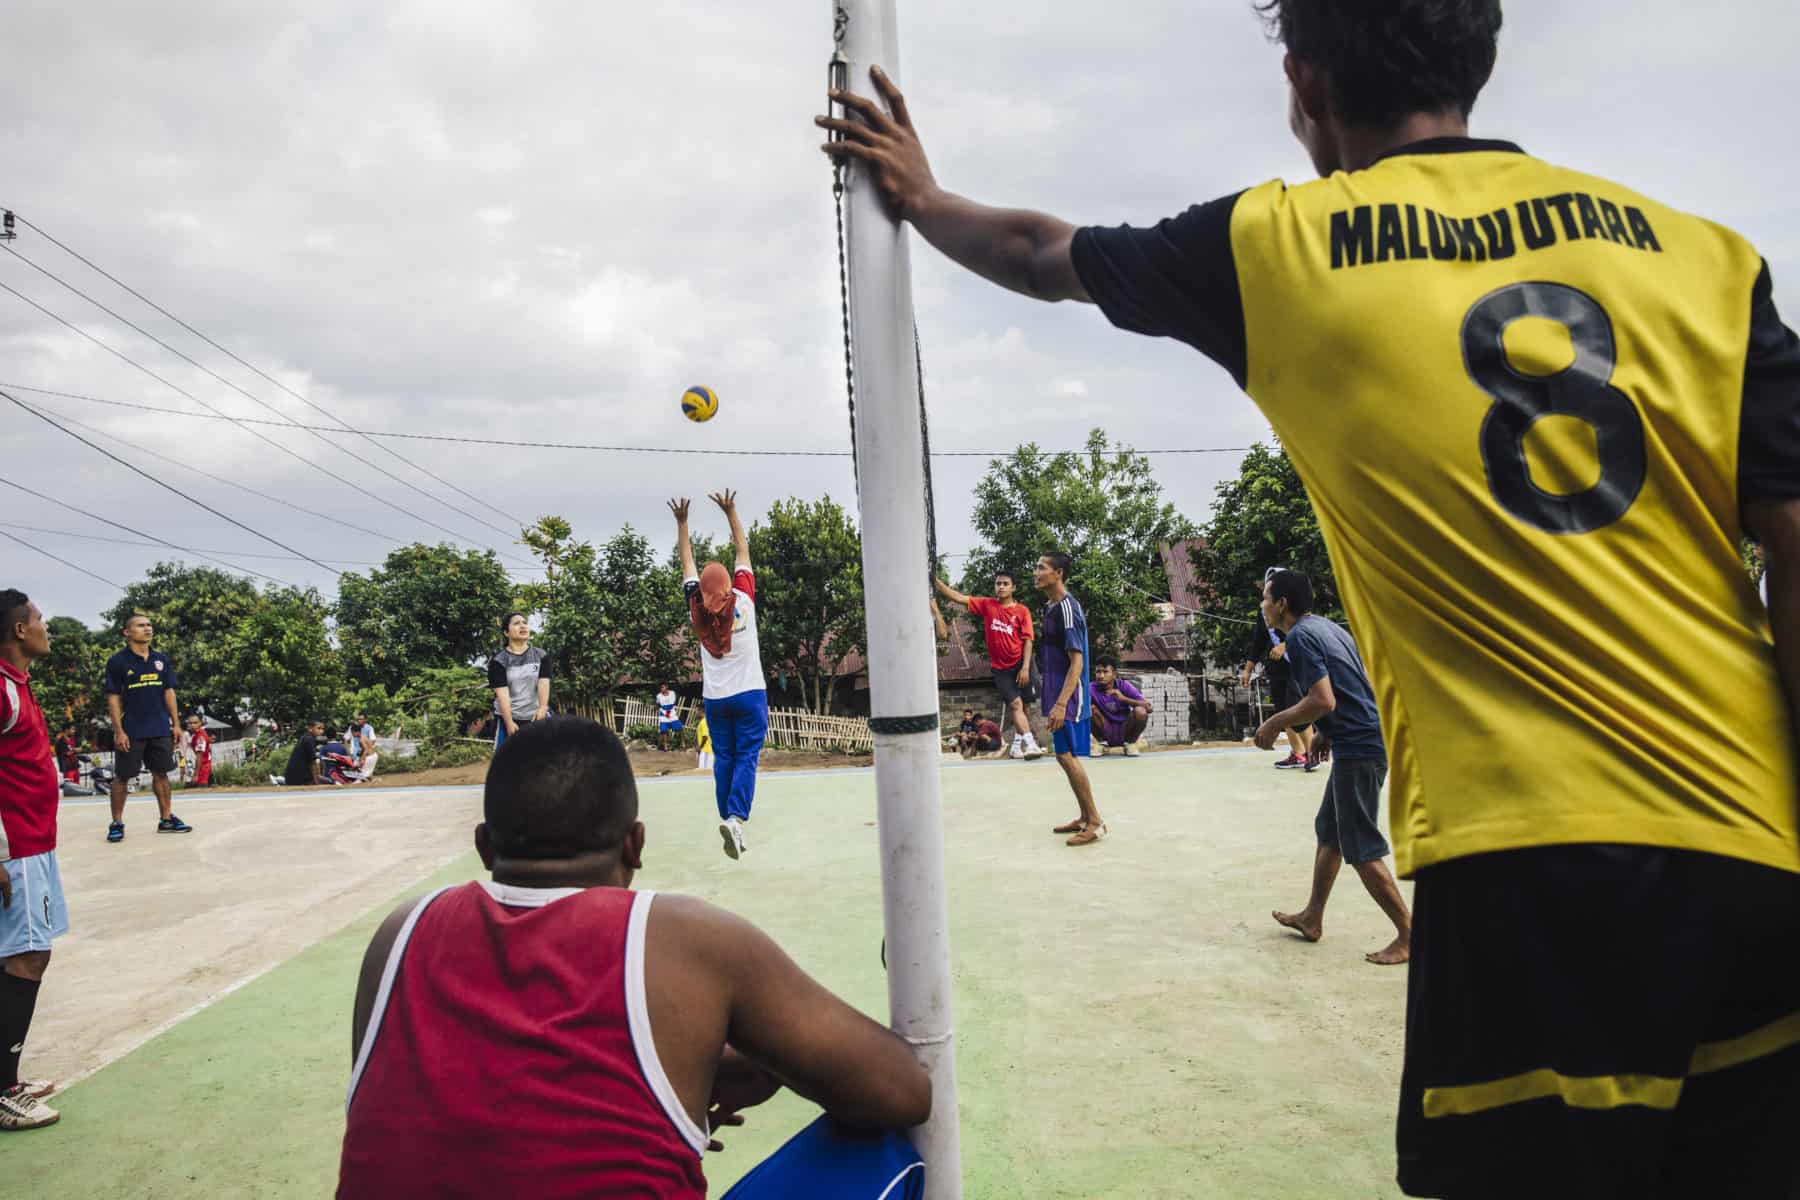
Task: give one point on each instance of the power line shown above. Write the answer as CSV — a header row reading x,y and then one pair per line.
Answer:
x,y
128,529
263,374
196,364
65,562
238,421
94,537
542,445
137,470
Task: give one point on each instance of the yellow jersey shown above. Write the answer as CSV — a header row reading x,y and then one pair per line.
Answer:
x,y
1528,404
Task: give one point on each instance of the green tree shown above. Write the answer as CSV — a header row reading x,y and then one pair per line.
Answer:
x,y
67,683
1263,518
1104,508
611,615
426,606
809,602
196,611
280,657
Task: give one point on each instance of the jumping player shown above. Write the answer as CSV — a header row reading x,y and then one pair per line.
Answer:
x,y
140,697
32,912
1065,676
628,1026
1006,628
1568,656
722,608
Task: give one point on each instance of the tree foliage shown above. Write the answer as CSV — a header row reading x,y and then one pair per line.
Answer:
x,y
67,683
279,656
1261,519
426,606
809,593
1104,508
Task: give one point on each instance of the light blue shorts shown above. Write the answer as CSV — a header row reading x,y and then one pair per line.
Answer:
x,y
37,912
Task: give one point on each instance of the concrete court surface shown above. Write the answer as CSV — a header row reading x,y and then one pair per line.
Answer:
x,y
1130,1022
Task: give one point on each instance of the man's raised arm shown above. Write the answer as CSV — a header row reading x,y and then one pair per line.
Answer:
x,y
1027,252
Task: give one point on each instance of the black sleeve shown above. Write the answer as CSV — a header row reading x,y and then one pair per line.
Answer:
x,y
1175,279
545,670
1769,430
496,673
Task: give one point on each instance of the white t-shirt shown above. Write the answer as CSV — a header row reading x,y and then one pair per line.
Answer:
x,y
740,670
665,706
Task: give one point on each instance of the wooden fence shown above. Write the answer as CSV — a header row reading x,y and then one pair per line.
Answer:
x,y
788,727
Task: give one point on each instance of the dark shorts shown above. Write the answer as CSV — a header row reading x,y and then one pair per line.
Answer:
x,y
1294,696
1006,682
1350,816
155,754
1598,1020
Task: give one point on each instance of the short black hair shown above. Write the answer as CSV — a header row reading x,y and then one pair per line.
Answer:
x,y
1107,660
1003,572
1059,562
1388,59
1293,587
15,606
558,788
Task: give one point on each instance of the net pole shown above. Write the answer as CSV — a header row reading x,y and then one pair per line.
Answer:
x,y
902,656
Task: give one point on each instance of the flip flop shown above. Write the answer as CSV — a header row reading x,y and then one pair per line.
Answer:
x,y
1088,836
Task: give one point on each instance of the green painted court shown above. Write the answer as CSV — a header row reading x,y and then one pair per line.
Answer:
x,y
1130,1021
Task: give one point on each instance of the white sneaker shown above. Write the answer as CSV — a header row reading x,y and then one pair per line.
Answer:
x,y
1096,750
731,832
1018,749
19,1109
1032,749
1131,750
274,781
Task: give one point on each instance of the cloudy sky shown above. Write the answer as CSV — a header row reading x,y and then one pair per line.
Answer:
x,y
545,220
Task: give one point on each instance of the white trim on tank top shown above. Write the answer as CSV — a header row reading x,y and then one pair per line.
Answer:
x,y
389,970
637,1010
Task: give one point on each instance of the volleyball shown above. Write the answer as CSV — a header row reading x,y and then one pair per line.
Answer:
x,y
699,403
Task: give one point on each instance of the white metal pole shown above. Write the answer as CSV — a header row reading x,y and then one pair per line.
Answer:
x,y
903,696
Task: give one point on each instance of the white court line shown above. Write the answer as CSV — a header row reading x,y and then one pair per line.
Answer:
x,y
687,775
194,1009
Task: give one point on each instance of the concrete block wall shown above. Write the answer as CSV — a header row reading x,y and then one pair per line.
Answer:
x,y
1168,694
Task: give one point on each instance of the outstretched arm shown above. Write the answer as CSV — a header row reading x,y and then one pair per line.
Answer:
x,y
1028,252
727,502
680,509
949,593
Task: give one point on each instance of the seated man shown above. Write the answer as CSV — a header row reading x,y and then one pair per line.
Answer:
x,y
983,738
617,1026
1120,710
303,760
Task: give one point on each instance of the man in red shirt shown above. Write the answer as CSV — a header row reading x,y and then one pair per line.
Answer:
x,y
201,744
32,912
1007,627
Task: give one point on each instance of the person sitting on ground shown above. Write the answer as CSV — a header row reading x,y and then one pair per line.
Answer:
x,y
965,731
982,738
303,760
1120,710
624,1024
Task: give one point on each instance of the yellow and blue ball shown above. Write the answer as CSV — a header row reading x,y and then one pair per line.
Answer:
x,y
699,403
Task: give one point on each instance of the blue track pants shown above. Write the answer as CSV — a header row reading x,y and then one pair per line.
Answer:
x,y
739,724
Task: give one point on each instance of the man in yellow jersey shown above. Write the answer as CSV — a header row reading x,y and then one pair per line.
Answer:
x,y
1535,411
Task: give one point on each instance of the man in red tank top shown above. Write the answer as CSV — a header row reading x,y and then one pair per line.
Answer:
x,y
553,1033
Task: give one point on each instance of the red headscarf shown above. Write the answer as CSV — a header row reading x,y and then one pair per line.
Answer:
x,y
713,608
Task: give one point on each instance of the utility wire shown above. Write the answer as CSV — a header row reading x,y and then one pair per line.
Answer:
x,y
137,470
94,537
65,562
128,529
258,401
41,232
541,445
242,487
238,421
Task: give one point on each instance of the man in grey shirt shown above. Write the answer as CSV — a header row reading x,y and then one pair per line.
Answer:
x,y
1333,689
520,674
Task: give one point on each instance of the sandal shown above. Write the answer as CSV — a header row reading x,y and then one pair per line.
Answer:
x,y
1075,826
1088,836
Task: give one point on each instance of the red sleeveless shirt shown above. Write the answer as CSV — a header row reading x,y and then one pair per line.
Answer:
x,y
509,1054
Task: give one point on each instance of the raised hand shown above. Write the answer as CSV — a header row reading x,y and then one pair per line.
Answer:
x,y
887,144
726,500
680,509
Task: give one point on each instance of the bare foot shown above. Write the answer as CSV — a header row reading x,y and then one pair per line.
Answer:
x,y
1306,925
1398,951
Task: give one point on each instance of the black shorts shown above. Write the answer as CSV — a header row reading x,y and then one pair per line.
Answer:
x,y
1350,814
158,754
1006,682
1601,1021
